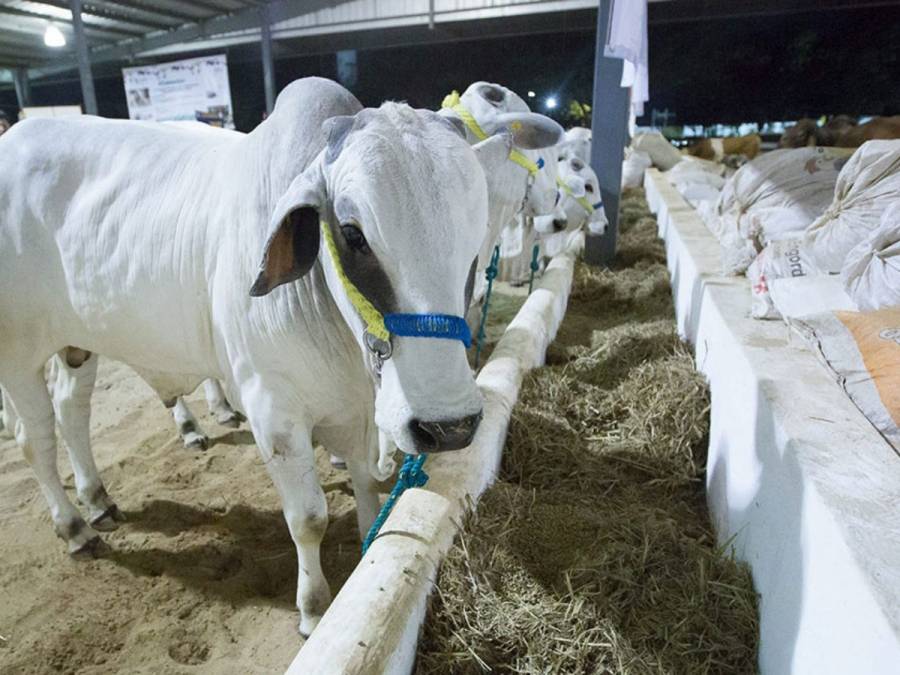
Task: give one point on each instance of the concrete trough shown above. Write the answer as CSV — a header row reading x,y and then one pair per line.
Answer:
x,y
800,485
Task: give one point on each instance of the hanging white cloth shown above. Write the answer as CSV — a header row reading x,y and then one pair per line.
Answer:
x,y
627,40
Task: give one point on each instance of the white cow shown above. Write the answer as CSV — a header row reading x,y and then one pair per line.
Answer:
x,y
141,242
576,144
579,205
192,435
512,188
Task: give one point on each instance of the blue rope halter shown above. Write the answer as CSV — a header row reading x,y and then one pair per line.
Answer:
x,y
429,325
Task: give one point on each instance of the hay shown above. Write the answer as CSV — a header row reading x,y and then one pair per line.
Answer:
x,y
593,552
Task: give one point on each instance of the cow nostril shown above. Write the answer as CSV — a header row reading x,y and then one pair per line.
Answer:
x,y
559,225
425,441
444,434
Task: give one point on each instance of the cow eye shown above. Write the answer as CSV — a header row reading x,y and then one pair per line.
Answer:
x,y
355,239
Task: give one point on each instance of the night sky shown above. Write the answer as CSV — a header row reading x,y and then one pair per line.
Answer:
x,y
728,71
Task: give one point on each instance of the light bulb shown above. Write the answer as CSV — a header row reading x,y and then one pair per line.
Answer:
x,y
53,37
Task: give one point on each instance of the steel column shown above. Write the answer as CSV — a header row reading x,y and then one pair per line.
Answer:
x,y
84,60
23,86
268,61
609,124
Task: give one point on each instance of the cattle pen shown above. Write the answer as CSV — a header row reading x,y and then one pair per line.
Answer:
x,y
449,337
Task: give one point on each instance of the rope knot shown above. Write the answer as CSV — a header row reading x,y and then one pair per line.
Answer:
x,y
451,99
412,475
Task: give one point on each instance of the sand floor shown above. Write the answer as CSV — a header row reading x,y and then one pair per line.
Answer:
x,y
202,577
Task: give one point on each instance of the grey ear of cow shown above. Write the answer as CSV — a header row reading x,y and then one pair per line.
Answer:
x,y
530,130
292,242
290,252
336,131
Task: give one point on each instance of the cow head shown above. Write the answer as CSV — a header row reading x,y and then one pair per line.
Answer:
x,y
496,108
800,135
581,186
400,200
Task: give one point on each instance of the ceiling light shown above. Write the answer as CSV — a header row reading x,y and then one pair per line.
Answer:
x,y
53,37
550,102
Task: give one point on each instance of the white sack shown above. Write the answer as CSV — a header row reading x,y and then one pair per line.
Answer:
x,y
779,260
800,296
777,195
862,351
871,273
868,184
633,168
663,154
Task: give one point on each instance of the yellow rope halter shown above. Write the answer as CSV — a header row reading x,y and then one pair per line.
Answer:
x,y
373,319
585,203
452,102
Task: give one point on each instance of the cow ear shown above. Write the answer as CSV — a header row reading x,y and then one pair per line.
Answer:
x,y
529,130
292,242
492,153
576,185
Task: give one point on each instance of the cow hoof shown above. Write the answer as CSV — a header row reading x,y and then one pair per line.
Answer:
x,y
232,419
93,548
338,463
195,441
307,626
108,520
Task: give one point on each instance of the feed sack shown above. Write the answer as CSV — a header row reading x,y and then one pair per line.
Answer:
x,y
862,350
867,185
771,198
779,260
871,273
636,162
663,154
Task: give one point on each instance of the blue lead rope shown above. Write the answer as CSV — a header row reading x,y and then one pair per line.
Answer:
x,y
534,266
411,476
490,274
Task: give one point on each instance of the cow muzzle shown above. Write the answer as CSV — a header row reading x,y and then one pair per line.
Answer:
x,y
444,435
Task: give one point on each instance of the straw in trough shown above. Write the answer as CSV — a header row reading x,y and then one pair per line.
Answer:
x,y
593,552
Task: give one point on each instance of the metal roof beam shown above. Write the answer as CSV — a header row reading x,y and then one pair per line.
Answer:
x,y
279,10
143,21
32,22
127,31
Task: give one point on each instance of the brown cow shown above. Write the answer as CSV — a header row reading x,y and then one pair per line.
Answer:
x,y
716,148
840,131
880,128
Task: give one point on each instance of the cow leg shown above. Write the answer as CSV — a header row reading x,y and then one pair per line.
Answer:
x,y
37,437
75,372
365,490
219,405
287,451
359,445
190,430
8,416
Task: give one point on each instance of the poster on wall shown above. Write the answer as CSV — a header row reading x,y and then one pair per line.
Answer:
x,y
190,89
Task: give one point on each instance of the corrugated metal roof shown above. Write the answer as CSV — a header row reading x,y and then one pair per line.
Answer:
x,y
106,22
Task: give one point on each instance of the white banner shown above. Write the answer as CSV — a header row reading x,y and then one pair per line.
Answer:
x,y
190,89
